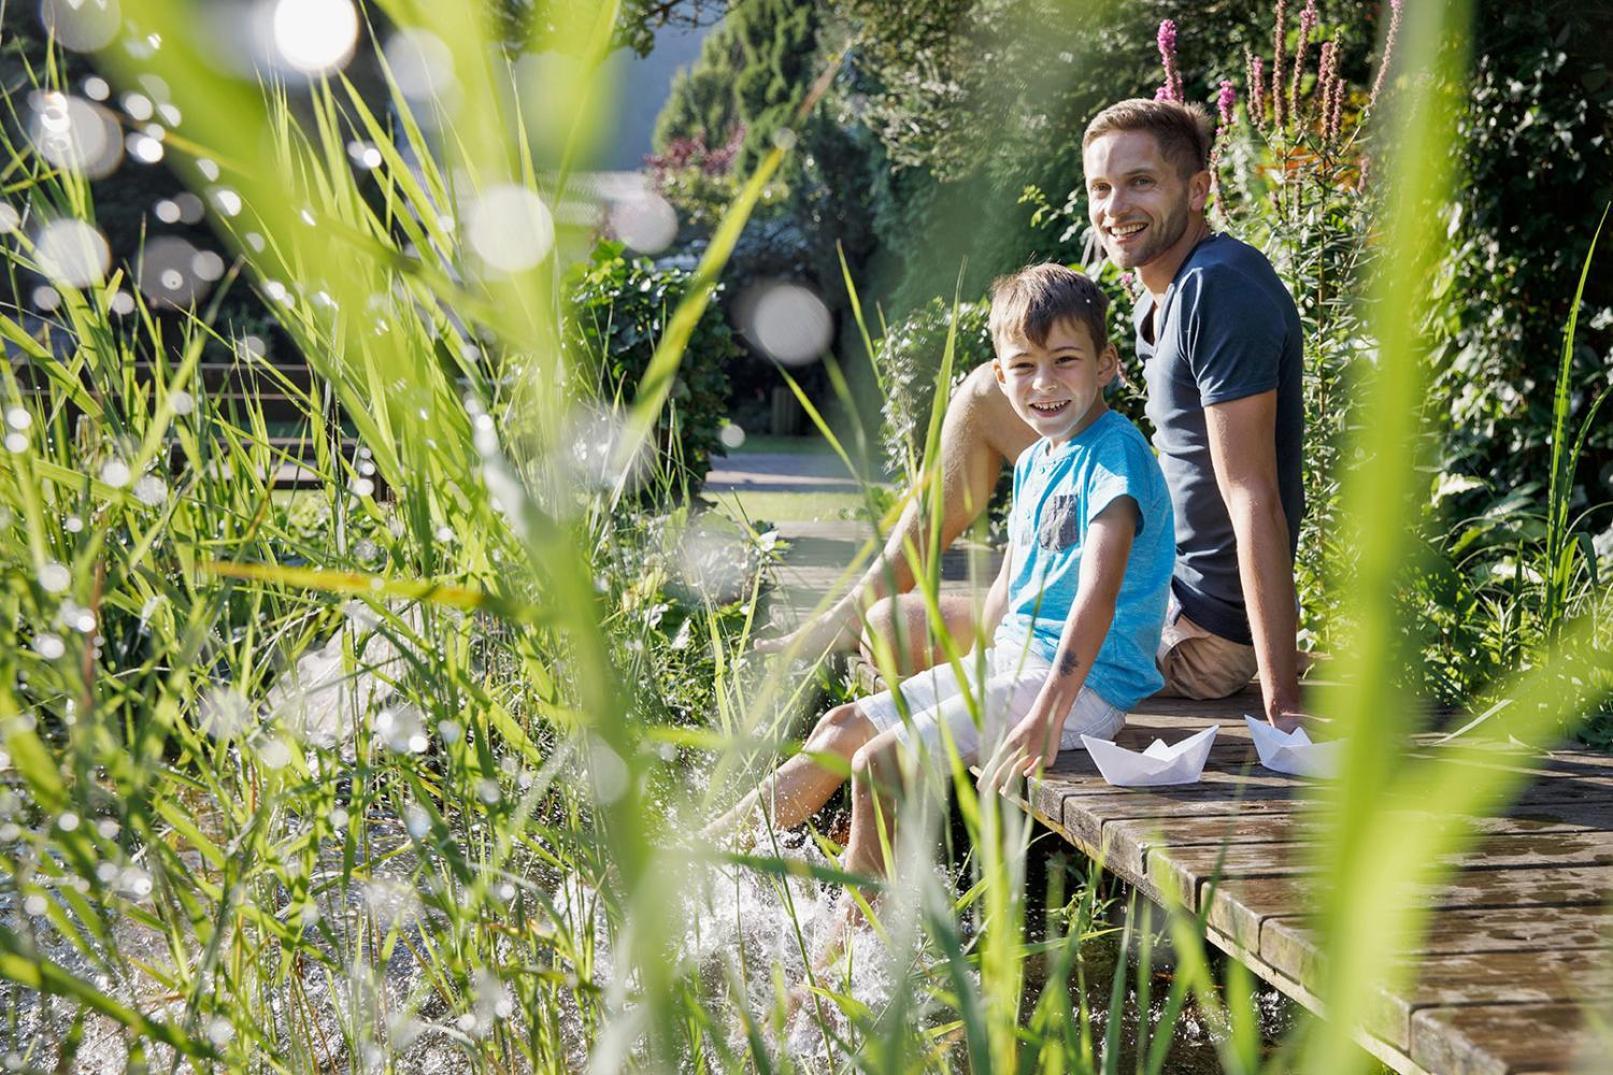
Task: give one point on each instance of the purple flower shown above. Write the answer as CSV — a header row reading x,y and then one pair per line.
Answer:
x,y
1279,38
1224,100
1388,51
1172,90
1307,23
1257,90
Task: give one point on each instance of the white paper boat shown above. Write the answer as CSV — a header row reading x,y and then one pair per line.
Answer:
x,y
1156,765
1292,752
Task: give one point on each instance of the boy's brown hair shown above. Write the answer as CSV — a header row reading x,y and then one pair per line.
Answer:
x,y
1029,302
1184,131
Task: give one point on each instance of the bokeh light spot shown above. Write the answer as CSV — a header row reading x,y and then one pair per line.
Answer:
x,y
788,321
510,228
72,252
81,25
314,36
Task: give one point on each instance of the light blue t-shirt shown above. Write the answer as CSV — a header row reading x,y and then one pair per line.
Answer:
x,y
1058,491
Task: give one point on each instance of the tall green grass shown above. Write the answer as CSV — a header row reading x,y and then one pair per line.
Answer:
x,y
320,781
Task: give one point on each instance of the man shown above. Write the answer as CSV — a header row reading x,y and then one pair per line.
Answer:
x,y
1220,341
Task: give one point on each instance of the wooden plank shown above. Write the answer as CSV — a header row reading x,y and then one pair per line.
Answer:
x,y
1241,905
1508,1040
1540,976
1293,945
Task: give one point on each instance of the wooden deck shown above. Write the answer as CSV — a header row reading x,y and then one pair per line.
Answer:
x,y
1519,934
1519,938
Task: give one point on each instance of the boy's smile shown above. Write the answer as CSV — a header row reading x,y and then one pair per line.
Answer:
x,y
1057,386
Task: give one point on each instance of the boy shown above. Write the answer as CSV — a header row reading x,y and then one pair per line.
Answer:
x,y
1076,609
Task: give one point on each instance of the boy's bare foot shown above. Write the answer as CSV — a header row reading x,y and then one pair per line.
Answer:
x,y
832,632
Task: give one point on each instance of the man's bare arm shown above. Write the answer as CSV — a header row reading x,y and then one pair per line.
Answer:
x,y
1242,436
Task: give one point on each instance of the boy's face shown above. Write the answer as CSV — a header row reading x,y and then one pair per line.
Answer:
x,y
1057,388
1139,202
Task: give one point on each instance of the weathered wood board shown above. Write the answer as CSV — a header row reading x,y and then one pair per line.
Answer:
x,y
1517,941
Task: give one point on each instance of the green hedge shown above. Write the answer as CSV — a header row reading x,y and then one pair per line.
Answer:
x,y
616,313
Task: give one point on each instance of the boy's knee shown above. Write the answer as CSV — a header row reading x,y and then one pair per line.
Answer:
x,y
872,762
841,731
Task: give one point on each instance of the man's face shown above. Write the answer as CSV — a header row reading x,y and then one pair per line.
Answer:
x,y
1138,201
1057,386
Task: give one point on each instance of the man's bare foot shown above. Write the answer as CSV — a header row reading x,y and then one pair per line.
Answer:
x,y
832,632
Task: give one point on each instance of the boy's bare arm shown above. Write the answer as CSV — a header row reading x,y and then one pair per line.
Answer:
x,y
1034,740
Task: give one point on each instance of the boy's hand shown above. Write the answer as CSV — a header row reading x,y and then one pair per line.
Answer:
x,y
1030,747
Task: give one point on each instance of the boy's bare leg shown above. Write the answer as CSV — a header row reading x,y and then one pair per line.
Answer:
x,y
798,789
875,776
978,435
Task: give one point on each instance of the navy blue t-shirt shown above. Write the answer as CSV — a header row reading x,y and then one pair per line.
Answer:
x,y
1227,329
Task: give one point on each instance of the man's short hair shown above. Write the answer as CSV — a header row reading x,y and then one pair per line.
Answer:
x,y
1029,302
1184,131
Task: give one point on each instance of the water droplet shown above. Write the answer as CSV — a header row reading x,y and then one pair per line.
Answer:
x,y
402,730
191,209
107,828
421,64
75,134
73,524
167,211
72,252
138,106
19,418
46,298
510,228
644,221
207,265
33,904
68,822
182,402
164,272
314,36
134,882
96,88
123,304
713,559
787,321
487,791
363,487
338,818
608,770
54,577
151,490
392,901
451,731
732,436
227,201
81,25
416,821
225,713
115,472
49,646
144,148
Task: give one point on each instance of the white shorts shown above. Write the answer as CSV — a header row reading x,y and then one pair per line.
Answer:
x,y
934,697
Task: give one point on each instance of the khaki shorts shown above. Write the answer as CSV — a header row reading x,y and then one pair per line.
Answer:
x,y
1199,664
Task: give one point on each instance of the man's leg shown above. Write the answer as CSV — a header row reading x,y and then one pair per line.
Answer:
x,y
904,623
978,435
1205,666
798,789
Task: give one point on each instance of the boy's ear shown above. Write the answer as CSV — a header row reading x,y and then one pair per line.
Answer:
x,y
997,371
1109,363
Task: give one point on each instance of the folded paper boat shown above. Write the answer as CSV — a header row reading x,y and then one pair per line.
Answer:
x,y
1156,765
1292,752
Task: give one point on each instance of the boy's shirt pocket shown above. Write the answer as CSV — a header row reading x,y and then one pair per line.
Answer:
x,y
1060,527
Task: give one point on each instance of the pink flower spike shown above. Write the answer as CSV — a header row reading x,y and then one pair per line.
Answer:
x,y
1225,100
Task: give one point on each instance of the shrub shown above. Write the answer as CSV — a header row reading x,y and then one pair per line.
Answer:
x,y
618,309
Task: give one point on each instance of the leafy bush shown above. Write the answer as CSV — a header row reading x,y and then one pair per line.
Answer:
x,y
908,359
617,313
